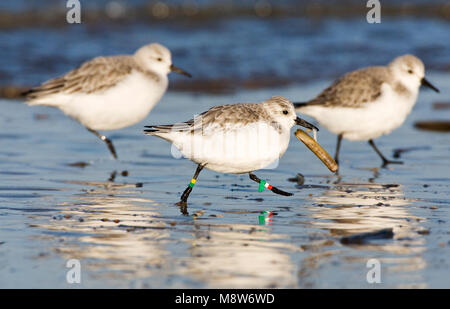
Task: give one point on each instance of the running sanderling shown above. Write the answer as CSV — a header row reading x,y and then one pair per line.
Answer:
x,y
235,138
370,102
108,93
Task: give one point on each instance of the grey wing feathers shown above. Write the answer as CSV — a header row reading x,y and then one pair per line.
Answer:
x,y
95,75
354,89
222,115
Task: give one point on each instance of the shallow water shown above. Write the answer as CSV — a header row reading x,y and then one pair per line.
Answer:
x,y
129,233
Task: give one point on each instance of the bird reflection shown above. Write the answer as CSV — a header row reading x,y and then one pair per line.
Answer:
x,y
113,235
240,256
122,239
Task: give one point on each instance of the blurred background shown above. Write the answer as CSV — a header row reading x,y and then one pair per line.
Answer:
x,y
228,45
63,197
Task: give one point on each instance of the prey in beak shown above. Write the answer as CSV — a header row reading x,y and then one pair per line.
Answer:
x,y
426,83
179,71
305,124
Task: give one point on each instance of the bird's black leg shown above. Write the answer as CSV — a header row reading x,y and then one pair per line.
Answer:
x,y
185,195
385,161
107,141
338,147
272,188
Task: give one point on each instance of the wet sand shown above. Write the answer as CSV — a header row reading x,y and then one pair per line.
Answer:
x,y
57,202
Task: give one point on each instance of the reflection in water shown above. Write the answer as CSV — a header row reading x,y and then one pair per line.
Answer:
x,y
116,238
266,217
240,256
349,209
127,241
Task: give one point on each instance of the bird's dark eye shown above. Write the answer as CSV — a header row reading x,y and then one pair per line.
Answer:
x,y
285,112
159,59
410,71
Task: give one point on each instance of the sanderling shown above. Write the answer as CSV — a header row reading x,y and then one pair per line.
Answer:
x,y
235,138
108,93
370,102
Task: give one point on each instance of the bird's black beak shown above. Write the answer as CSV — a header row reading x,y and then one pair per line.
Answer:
x,y
179,71
305,124
429,85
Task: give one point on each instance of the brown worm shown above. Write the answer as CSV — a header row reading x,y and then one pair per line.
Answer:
x,y
317,149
